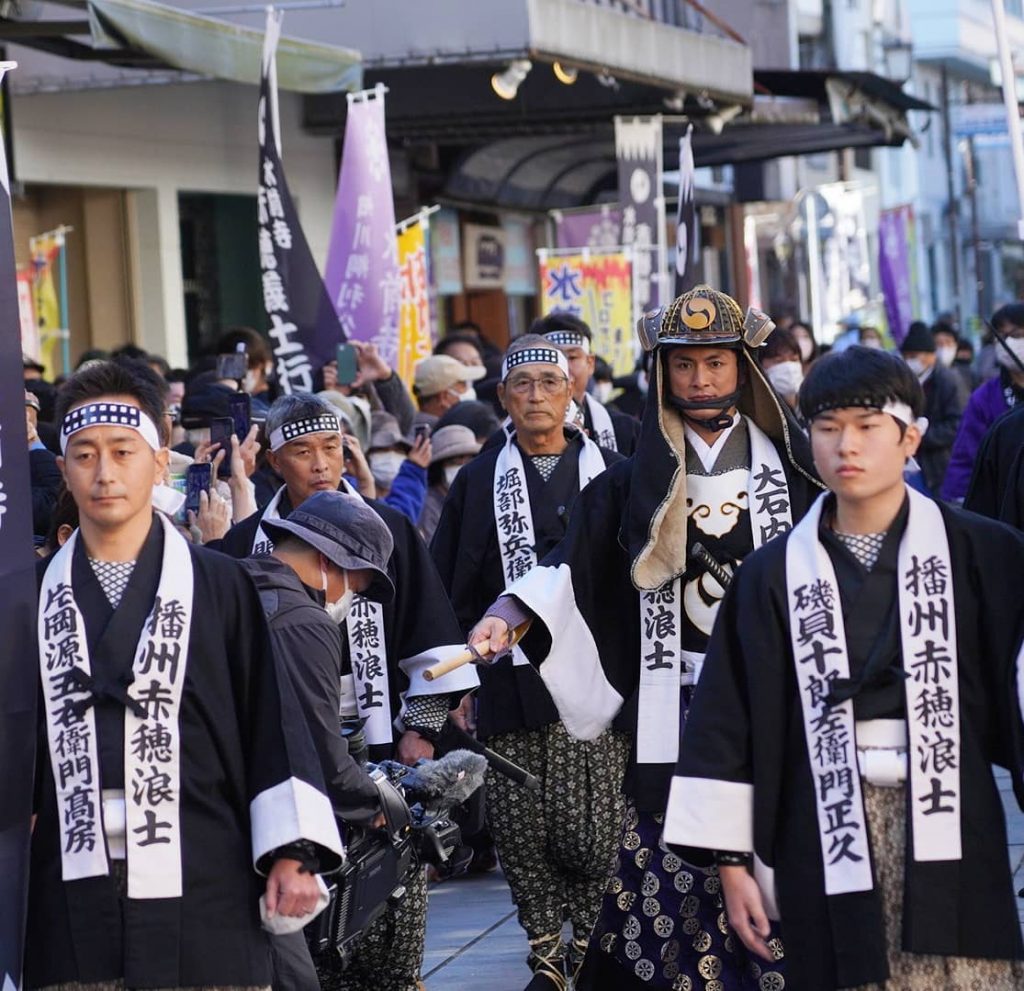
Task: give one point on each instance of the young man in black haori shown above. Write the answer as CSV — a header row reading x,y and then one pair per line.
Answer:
x,y
864,675
170,770
623,608
506,509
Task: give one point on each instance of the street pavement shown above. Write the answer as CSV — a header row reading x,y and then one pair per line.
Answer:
x,y
475,944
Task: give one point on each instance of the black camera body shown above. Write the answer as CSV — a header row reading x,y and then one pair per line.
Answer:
x,y
381,861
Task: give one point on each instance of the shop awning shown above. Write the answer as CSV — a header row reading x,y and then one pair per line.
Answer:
x,y
796,113
152,36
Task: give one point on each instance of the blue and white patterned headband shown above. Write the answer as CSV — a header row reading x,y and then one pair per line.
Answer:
x,y
109,415
324,423
569,339
534,356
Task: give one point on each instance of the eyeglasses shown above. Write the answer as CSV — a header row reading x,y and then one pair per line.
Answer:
x,y
550,385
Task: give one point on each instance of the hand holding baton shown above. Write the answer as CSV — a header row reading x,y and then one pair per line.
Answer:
x,y
471,655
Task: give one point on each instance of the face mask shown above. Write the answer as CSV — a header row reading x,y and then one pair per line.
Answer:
x,y
449,474
917,366
384,466
1016,345
603,391
469,396
872,342
339,609
946,355
786,377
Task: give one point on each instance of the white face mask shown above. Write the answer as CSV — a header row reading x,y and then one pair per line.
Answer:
x,y
786,377
603,391
339,609
449,474
917,366
384,466
946,355
468,396
1016,345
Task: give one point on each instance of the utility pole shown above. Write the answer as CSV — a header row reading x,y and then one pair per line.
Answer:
x,y
972,193
1012,108
952,207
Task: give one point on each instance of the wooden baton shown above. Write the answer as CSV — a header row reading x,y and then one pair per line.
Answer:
x,y
471,654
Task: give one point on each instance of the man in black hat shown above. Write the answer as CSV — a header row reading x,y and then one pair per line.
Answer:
x,y
943,406
328,550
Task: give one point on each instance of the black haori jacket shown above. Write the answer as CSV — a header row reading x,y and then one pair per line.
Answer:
x,y
242,742
745,734
629,531
465,549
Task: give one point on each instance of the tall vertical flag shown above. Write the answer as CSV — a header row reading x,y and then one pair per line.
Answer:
x,y
687,228
18,662
362,272
303,325
414,331
638,149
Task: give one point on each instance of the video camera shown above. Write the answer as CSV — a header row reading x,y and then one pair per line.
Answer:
x,y
417,803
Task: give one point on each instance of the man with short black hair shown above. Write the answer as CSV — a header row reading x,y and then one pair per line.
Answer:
x,y
174,761
861,680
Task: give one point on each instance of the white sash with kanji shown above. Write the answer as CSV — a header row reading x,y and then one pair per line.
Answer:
x,y
604,431
928,639
152,738
664,665
513,516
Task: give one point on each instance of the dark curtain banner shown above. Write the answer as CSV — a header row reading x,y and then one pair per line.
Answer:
x,y
19,674
687,227
303,325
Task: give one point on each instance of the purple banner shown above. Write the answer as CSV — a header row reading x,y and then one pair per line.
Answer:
x,y
894,268
303,325
598,227
362,260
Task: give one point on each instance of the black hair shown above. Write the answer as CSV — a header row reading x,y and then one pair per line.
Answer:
x,y
177,375
93,354
941,327
129,352
1011,313
479,417
467,327
965,344
458,337
162,365
257,350
114,378
560,321
859,376
65,513
781,342
602,370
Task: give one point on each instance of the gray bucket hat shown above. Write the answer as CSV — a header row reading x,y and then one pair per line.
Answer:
x,y
347,532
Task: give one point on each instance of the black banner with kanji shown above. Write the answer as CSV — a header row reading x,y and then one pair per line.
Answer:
x,y
19,665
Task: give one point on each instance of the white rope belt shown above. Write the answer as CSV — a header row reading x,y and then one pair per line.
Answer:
x,y
882,751
689,668
115,823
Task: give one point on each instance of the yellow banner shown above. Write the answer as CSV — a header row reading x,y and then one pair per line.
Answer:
x,y
414,340
597,288
45,254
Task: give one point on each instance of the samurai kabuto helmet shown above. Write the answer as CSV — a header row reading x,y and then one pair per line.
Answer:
x,y
703,316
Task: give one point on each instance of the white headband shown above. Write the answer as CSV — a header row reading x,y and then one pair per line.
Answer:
x,y
532,356
322,423
897,410
109,415
569,339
